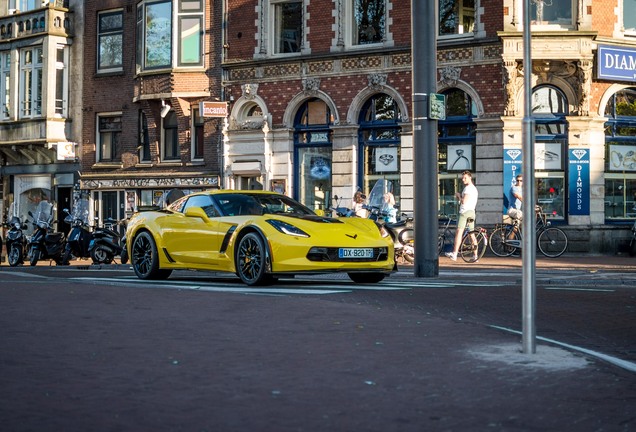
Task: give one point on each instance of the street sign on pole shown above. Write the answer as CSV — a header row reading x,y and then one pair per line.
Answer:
x,y
437,106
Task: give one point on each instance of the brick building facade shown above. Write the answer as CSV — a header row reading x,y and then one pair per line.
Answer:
x,y
147,66
321,93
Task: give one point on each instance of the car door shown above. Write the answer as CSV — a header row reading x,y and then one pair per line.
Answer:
x,y
193,239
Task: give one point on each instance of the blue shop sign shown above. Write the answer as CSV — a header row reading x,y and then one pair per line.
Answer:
x,y
616,63
579,182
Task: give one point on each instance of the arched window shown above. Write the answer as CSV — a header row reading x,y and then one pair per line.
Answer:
x,y
549,109
456,144
620,155
312,154
379,143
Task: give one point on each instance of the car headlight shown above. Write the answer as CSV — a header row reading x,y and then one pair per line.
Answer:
x,y
286,228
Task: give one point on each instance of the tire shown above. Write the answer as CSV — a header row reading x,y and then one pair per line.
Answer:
x,y
440,244
251,260
101,255
497,241
471,250
366,277
14,256
34,257
145,258
124,255
552,242
66,258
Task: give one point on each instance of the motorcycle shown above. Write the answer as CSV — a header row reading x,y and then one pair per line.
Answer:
x,y
382,209
16,241
45,244
80,236
123,257
105,244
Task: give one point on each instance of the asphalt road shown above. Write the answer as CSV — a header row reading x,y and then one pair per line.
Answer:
x,y
88,348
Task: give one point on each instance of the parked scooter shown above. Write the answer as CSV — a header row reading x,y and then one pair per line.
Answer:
x,y
105,244
45,244
16,240
401,231
80,236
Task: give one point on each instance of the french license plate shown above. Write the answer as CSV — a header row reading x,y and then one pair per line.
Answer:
x,y
355,253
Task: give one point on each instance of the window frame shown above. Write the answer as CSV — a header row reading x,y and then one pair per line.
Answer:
x,y
170,137
274,23
61,81
34,92
5,85
143,138
552,25
114,145
113,67
631,15
461,13
197,135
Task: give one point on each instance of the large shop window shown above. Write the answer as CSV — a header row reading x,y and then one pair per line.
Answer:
x,y
312,154
288,26
109,135
157,22
620,156
369,18
110,40
456,144
456,17
549,109
379,143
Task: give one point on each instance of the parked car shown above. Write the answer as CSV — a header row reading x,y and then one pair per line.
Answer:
x,y
257,235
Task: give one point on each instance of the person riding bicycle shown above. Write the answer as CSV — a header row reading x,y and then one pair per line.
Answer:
x,y
468,204
516,200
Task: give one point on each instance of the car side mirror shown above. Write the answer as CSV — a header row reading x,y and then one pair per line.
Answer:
x,y
196,212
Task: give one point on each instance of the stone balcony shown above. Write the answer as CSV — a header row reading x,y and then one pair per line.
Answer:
x,y
52,19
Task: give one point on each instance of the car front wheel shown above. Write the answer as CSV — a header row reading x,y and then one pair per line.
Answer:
x,y
145,258
251,260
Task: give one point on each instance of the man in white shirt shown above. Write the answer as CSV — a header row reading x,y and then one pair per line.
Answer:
x,y
467,204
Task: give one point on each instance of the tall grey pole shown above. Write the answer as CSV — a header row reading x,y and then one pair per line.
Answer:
x,y
528,228
425,192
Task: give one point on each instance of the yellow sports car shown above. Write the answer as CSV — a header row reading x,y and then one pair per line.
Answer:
x,y
258,235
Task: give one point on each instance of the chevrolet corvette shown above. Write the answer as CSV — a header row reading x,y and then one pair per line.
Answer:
x,y
258,235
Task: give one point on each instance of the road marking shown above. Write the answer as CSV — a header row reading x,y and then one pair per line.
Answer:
x,y
627,365
578,289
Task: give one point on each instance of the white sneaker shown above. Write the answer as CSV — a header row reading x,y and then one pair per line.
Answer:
x,y
452,256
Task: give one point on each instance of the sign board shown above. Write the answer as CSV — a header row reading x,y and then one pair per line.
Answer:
x,y
616,63
213,109
437,106
579,181
65,151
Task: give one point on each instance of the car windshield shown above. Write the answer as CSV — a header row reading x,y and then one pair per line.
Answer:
x,y
241,204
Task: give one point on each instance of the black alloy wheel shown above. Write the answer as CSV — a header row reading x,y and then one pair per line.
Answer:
x,y
145,258
251,260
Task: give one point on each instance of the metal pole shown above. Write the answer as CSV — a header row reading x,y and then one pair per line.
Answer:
x,y
425,192
528,225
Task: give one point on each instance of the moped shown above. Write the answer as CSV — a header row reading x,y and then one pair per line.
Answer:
x,y
105,244
45,244
79,238
16,241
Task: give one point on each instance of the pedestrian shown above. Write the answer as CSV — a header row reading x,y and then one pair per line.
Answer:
x,y
358,204
388,208
516,199
467,205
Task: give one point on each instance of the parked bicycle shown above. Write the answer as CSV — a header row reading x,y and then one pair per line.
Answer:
x,y
474,242
505,239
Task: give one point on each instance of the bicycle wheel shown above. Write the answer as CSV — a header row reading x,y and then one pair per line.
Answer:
x,y
552,242
473,246
498,240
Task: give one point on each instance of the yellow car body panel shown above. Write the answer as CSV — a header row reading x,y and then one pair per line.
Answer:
x,y
198,241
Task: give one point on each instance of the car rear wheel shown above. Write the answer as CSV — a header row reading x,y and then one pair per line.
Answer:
x,y
145,258
366,277
251,260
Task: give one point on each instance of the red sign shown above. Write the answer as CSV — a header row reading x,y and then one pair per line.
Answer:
x,y
213,109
